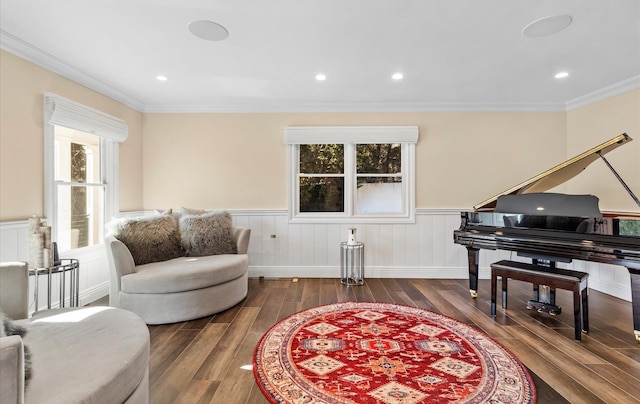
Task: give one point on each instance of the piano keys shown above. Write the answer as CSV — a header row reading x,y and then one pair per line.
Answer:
x,y
556,227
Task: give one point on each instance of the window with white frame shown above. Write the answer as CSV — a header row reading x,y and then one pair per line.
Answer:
x,y
352,174
81,171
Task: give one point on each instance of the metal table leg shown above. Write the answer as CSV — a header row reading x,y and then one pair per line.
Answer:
x,y
49,289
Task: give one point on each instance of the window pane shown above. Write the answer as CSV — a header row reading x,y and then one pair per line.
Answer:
x,y
378,158
629,227
321,194
80,216
321,158
77,156
379,195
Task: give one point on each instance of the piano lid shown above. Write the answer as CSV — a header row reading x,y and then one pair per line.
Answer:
x,y
558,174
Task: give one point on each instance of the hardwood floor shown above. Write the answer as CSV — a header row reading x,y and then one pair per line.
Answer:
x,y
209,360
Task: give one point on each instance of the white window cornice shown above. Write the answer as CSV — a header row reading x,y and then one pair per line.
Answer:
x,y
350,134
70,114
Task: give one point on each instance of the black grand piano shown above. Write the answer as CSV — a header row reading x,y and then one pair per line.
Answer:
x,y
556,227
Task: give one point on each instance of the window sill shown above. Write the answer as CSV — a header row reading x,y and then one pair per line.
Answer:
x,y
354,219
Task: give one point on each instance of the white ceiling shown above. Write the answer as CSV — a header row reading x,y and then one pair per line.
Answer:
x,y
455,54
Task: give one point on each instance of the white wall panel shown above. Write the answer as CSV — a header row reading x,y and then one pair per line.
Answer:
x,y
282,239
293,235
10,242
319,249
425,249
93,281
280,249
370,233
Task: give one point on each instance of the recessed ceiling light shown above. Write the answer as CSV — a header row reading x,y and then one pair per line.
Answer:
x,y
161,78
208,30
547,25
397,76
561,75
321,77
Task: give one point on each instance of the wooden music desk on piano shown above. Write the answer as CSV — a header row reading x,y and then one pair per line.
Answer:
x,y
556,227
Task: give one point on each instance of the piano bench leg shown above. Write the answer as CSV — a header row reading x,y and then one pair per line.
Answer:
x,y
494,281
577,318
504,291
584,294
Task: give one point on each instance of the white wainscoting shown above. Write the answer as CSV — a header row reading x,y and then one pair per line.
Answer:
x,y
94,275
279,249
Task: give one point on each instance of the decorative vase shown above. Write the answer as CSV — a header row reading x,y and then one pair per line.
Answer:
x,y
40,246
56,257
36,251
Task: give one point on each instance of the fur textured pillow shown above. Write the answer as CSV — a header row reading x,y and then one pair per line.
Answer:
x,y
189,211
149,239
8,328
207,234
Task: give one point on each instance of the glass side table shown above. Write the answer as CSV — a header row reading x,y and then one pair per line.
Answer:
x,y
352,263
68,266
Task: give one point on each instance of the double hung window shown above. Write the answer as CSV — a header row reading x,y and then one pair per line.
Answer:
x,y
351,174
81,171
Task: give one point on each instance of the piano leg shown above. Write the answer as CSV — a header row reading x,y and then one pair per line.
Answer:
x,y
635,300
473,255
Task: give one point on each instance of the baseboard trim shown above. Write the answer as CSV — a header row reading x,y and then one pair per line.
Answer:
x,y
283,272
611,289
94,293
369,272
85,297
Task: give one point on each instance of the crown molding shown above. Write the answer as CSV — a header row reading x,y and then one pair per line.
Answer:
x,y
358,107
604,93
37,56
22,49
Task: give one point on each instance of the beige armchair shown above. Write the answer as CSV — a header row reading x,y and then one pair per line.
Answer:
x,y
92,354
14,302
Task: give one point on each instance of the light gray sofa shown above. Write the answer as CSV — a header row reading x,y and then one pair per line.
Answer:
x,y
178,289
84,355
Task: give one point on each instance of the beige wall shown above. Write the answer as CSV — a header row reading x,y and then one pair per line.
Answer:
x,y
239,161
594,124
22,88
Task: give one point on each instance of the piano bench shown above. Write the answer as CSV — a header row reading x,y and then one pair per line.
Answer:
x,y
541,275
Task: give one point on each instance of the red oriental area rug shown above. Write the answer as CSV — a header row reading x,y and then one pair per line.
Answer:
x,y
385,353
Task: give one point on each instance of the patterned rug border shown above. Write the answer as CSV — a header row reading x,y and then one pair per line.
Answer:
x,y
350,305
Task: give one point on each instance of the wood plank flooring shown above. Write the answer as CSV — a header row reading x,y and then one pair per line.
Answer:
x,y
209,360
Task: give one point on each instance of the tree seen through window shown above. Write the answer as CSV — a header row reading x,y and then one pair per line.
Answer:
x,y
322,175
